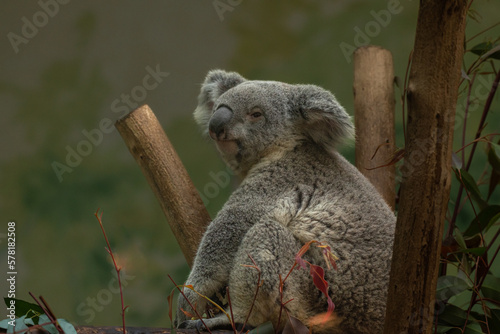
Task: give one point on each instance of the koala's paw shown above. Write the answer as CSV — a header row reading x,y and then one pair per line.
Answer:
x,y
192,324
217,323
183,304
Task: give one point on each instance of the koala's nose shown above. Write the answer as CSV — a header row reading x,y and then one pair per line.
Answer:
x,y
218,122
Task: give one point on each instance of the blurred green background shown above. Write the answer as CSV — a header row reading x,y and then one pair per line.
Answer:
x,y
67,66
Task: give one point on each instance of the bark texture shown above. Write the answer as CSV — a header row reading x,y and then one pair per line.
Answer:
x,y
179,199
432,96
374,118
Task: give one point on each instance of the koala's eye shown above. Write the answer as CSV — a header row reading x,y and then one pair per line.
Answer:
x,y
255,113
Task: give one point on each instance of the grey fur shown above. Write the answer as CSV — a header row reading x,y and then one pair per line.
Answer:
x,y
296,188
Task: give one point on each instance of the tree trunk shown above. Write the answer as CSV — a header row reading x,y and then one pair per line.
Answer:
x,y
374,118
179,199
432,95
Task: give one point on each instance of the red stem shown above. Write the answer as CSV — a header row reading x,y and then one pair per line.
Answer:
x,y
194,309
256,291
99,219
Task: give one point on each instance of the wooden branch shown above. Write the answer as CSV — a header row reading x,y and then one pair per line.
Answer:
x,y
374,118
166,175
432,96
138,330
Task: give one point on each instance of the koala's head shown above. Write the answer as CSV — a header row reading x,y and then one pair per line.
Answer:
x,y
251,120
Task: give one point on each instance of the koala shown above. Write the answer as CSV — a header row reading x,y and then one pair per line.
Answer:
x,y
281,140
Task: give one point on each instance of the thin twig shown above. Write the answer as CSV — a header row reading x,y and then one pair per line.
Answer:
x,y
230,310
482,32
194,309
403,97
48,313
259,284
486,109
466,114
118,269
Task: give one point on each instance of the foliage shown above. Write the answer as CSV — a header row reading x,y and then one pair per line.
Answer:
x,y
29,317
468,291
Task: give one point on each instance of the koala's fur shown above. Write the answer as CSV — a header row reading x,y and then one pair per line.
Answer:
x,y
281,139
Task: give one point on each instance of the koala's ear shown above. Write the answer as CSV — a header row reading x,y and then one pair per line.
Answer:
x,y
322,118
216,83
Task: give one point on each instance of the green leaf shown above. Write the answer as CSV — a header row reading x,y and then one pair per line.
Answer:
x,y
265,328
449,286
484,220
453,316
23,308
49,327
22,324
494,321
456,162
494,157
482,49
69,328
475,251
473,328
4,323
491,287
460,239
470,184
494,160
443,329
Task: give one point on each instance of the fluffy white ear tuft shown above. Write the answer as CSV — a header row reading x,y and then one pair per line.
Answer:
x,y
323,119
216,83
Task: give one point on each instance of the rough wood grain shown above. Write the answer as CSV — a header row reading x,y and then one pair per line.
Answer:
x,y
137,330
179,199
374,118
425,189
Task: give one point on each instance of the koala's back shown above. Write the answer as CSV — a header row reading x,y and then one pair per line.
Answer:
x,y
320,196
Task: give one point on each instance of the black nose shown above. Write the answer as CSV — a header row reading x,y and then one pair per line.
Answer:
x,y
218,122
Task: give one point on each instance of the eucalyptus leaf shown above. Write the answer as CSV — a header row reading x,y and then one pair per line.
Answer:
x,y
473,328
494,321
49,327
494,157
23,308
486,50
471,186
453,316
491,287
443,329
476,251
484,220
22,324
4,323
460,239
449,286
265,328
456,162
69,328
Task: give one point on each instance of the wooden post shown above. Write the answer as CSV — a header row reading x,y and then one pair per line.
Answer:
x,y
179,199
425,189
374,118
